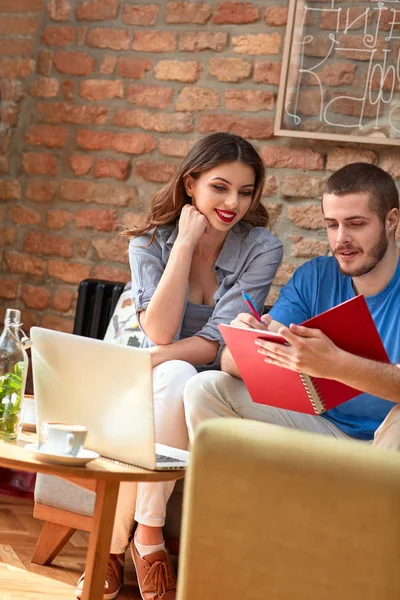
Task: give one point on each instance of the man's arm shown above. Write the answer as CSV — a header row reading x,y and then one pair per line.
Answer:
x,y
245,321
312,352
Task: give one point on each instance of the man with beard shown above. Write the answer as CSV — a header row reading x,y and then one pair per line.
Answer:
x,y
360,206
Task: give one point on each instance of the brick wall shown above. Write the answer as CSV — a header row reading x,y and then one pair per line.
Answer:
x,y
101,99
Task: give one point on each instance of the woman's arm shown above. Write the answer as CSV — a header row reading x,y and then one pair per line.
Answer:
x,y
195,350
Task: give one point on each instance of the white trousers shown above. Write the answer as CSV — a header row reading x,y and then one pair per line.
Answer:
x,y
146,502
216,394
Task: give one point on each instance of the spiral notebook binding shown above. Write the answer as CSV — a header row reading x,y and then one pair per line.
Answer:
x,y
313,393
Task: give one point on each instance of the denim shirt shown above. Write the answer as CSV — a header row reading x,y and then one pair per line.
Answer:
x,y
248,261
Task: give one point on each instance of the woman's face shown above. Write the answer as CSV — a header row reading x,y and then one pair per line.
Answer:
x,y
223,194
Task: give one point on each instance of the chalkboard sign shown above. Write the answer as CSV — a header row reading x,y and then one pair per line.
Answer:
x,y
341,72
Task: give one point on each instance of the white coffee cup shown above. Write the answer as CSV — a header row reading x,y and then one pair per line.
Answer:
x,y
64,439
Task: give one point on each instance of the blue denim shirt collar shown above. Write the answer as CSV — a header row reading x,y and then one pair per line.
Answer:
x,y
229,256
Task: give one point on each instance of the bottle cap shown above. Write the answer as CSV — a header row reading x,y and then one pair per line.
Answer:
x,y
13,316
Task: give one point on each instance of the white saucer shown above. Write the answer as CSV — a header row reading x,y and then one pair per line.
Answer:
x,y
80,460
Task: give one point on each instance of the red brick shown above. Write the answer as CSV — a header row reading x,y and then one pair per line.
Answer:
x,y
174,70
231,70
9,190
97,10
18,26
253,128
43,243
11,68
318,46
20,6
353,107
41,190
152,121
68,271
9,115
4,165
5,141
236,13
187,12
57,218
112,249
100,193
62,300
58,36
203,40
260,43
140,14
59,10
284,273
340,157
112,274
305,248
194,98
65,112
9,47
301,186
2,213
129,143
329,19
108,63
102,220
44,87
154,41
155,96
21,215
283,157
130,220
249,100
114,39
11,91
7,235
8,288
38,163
309,102
36,297
274,211
80,164
25,264
355,45
67,89
270,186
98,89
46,135
45,62
134,68
171,147
106,167
335,75
160,172
273,295
73,63
57,323
82,247
307,217
276,16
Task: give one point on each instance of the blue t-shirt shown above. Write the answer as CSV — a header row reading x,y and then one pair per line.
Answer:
x,y
318,285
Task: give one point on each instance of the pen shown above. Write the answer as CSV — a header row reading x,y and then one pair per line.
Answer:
x,y
251,306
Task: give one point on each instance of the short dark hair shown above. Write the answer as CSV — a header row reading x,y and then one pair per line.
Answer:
x,y
361,177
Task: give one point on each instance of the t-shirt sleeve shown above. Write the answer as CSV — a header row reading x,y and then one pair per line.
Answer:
x,y
256,281
293,304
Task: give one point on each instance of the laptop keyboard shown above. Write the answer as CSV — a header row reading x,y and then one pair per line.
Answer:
x,y
161,458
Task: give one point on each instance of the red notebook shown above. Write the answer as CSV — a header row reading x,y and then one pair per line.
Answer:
x,y
349,325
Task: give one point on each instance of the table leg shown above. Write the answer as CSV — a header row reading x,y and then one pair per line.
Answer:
x,y
100,539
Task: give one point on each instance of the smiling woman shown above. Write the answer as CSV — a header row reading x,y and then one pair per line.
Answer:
x,y
202,242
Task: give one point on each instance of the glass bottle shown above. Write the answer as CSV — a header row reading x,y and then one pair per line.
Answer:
x,y
13,372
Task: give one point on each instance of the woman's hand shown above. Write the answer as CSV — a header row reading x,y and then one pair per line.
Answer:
x,y
192,225
247,321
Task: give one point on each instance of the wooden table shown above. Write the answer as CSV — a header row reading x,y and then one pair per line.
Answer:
x,y
106,476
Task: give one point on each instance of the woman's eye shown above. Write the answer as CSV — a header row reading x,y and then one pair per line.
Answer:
x,y
246,193
220,188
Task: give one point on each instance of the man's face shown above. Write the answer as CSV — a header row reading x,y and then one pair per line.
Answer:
x,y
356,235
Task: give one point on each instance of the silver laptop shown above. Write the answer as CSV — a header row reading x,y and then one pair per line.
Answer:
x,y
105,387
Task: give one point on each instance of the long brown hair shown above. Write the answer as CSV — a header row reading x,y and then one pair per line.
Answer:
x,y
207,153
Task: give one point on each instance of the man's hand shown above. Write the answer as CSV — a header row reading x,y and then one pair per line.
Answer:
x,y
310,351
247,321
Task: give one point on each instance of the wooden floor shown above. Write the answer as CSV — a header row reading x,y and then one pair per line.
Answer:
x,y
22,580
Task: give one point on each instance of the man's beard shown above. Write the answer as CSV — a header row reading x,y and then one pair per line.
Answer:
x,y
374,256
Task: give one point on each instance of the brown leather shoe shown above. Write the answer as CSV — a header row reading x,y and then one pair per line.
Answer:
x,y
114,579
155,575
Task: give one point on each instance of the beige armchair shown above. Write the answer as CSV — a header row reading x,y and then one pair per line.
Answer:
x,y
286,515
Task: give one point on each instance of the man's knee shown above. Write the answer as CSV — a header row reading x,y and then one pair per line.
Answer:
x,y
388,434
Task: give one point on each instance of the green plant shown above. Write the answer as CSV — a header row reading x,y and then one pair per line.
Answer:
x,y
10,400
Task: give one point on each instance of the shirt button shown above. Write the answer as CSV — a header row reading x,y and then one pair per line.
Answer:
x,y
216,268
